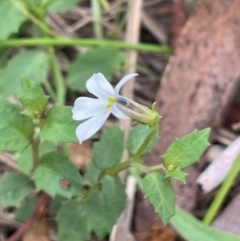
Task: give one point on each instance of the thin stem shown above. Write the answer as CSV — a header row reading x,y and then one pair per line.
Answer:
x,y
145,143
60,87
222,193
25,12
59,80
146,168
97,14
86,43
116,169
35,152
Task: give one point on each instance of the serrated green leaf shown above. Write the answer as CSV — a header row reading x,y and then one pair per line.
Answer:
x,y
26,209
177,174
25,160
59,125
92,172
52,170
137,136
72,223
16,130
161,194
14,187
62,6
104,60
187,150
10,19
33,64
192,229
97,213
112,144
33,98
56,205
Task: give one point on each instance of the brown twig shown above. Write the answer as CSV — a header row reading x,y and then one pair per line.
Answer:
x,y
37,214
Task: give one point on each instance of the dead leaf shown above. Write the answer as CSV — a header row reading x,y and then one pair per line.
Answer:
x,y
80,155
38,231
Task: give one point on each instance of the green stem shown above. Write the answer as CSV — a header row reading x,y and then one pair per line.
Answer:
x,y
86,43
145,143
60,87
222,193
59,80
147,169
35,152
116,169
97,26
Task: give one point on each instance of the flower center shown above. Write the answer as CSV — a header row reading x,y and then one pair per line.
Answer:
x,y
111,101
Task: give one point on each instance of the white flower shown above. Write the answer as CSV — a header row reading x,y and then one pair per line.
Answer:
x,y
108,101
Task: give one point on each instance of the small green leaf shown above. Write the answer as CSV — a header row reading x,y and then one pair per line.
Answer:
x,y
62,6
187,150
55,169
97,213
16,130
137,136
192,229
10,19
104,60
112,144
33,64
177,174
25,160
161,194
59,125
26,209
33,98
14,187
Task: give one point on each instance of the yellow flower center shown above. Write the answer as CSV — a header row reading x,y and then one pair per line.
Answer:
x,y
111,101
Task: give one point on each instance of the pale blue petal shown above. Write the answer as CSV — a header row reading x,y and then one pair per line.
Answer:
x,y
118,113
99,86
85,107
88,128
123,81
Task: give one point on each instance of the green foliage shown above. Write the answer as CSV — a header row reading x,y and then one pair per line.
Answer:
x,y
16,130
14,187
25,160
177,174
161,194
192,229
33,98
112,144
98,212
33,64
52,170
59,125
92,172
104,60
26,208
137,136
187,150
10,19
62,6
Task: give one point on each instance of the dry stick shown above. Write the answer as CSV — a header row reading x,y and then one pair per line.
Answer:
x,y
154,27
121,230
43,203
